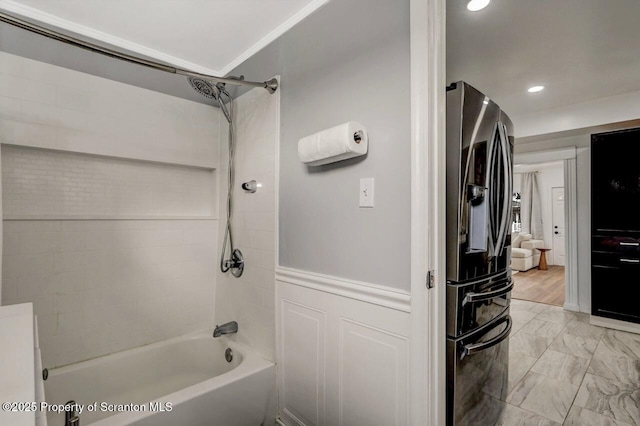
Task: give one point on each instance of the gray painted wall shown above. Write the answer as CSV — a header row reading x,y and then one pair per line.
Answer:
x,y
348,61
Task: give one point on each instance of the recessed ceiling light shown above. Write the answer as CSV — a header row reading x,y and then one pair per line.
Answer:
x,y
476,5
535,89
485,102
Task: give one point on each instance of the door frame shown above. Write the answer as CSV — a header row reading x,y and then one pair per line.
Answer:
x,y
564,202
568,157
428,195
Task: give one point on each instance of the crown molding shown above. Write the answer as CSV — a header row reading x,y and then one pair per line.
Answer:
x,y
274,34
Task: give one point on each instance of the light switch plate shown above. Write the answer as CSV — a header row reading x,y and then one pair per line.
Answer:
x,y
366,192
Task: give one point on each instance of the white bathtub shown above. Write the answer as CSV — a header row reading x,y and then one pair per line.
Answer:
x,y
189,372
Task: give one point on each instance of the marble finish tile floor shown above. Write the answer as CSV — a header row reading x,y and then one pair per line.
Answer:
x,y
564,371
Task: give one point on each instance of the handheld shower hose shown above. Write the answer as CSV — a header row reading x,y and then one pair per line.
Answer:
x,y
235,261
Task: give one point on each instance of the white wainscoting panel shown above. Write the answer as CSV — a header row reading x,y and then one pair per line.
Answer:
x,y
366,398
303,377
343,361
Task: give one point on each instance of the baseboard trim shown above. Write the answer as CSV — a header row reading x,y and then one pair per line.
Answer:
x,y
615,324
571,307
358,290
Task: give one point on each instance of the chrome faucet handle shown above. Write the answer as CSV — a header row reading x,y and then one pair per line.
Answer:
x,y
237,260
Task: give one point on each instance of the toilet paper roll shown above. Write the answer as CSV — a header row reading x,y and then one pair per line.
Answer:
x,y
338,143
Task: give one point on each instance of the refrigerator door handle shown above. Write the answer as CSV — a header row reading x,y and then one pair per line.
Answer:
x,y
505,221
509,179
475,348
491,186
487,295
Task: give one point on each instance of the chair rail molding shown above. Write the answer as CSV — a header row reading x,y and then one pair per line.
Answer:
x,y
365,292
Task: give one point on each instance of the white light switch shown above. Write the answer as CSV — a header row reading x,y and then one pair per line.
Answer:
x,y
366,192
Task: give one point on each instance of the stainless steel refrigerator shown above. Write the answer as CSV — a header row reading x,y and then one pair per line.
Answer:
x,y
479,209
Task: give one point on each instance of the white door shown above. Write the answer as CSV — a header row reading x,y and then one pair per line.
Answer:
x,y
558,226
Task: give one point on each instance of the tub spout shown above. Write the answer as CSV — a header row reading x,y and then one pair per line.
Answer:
x,y
228,328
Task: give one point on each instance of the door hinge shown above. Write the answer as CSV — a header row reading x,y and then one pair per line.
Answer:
x,y
431,279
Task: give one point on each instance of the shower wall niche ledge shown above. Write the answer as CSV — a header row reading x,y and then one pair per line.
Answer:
x,y
46,184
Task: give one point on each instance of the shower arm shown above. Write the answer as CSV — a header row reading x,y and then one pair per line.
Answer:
x,y
271,85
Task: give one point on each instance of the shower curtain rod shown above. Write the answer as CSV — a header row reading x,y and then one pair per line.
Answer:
x,y
270,85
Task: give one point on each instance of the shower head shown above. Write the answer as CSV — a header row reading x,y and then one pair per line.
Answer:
x,y
212,91
205,88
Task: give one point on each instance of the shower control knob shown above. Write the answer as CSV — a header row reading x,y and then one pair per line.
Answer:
x,y
251,186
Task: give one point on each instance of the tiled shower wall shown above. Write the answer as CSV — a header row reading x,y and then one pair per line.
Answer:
x,y
46,106
41,183
113,252
250,299
101,286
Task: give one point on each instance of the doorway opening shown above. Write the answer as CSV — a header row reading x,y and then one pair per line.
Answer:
x,y
538,233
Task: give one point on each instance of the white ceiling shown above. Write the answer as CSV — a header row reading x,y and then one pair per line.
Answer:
x,y
579,49
208,36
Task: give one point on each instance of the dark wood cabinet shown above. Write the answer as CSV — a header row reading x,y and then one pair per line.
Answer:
x,y
615,225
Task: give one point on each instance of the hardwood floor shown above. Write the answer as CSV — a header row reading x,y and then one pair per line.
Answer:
x,y
540,286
